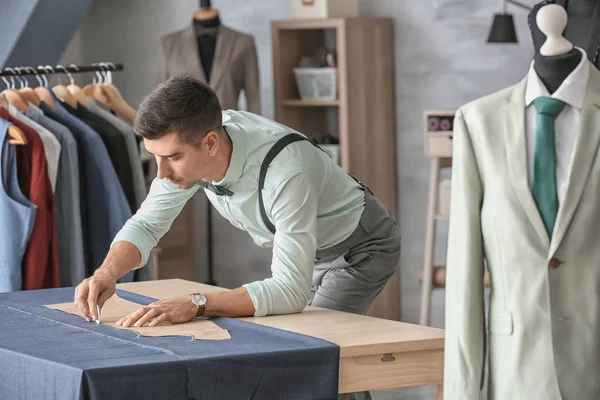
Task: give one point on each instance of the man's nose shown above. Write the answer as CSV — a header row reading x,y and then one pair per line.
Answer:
x,y
163,169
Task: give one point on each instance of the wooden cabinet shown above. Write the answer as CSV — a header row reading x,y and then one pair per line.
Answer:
x,y
362,115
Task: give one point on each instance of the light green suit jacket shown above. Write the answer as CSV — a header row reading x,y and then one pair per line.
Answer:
x,y
543,335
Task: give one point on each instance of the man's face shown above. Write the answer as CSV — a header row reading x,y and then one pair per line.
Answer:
x,y
181,163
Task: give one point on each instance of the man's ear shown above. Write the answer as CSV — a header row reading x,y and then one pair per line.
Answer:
x,y
211,142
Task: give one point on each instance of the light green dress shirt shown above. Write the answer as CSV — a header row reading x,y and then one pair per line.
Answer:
x,y
313,203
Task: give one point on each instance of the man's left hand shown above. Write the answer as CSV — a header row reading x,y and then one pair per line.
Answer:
x,y
175,311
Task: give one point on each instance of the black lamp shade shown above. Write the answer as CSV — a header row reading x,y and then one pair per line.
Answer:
x,y
503,29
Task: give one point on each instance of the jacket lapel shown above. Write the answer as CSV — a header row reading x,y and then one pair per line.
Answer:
x,y
586,147
223,50
513,120
190,56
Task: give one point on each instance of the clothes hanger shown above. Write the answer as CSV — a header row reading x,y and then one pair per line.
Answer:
x,y
62,92
108,94
94,90
43,92
27,93
75,90
12,96
16,134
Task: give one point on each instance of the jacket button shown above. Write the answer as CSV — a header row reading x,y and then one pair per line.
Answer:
x,y
554,263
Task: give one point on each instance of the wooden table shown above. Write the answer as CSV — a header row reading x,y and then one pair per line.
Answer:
x,y
375,354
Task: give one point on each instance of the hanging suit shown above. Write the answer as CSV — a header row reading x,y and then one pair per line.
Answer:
x,y
17,215
105,209
235,65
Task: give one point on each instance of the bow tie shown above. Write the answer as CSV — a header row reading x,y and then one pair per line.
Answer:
x,y
216,189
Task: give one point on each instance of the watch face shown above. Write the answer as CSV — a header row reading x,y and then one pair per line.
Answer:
x,y
198,299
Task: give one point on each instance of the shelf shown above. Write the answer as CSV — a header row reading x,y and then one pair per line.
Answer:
x,y
438,145
364,99
439,277
440,133
310,103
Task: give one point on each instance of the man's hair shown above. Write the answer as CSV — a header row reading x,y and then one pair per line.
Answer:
x,y
183,105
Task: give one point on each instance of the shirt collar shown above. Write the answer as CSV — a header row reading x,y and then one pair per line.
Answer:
x,y
571,91
34,112
238,156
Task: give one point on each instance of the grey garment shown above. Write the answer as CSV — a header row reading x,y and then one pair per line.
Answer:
x,y
348,276
139,185
71,259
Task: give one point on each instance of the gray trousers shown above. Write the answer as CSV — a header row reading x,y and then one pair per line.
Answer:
x,y
348,276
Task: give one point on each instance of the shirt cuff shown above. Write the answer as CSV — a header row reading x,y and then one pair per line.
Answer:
x,y
258,295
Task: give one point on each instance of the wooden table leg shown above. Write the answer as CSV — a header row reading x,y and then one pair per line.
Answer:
x,y
440,391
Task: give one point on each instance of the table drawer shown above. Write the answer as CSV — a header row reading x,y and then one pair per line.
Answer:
x,y
380,372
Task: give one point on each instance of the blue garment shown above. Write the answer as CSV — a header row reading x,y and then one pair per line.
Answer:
x,y
105,208
67,199
17,214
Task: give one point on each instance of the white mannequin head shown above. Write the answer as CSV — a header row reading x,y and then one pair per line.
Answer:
x,y
552,20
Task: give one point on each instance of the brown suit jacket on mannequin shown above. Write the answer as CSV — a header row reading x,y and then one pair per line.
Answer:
x,y
235,65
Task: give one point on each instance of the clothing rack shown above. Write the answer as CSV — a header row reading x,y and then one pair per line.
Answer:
x,y
61,69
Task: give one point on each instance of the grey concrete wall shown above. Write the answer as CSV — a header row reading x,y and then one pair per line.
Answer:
x,y
441,61
13,19
35,33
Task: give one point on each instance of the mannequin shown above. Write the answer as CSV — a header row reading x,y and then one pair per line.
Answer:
x,y
583,29
557,57
206,24
536,335
227,61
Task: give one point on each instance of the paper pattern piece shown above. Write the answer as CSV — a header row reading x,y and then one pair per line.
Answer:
x,y
116,308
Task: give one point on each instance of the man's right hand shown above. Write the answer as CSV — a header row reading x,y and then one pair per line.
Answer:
x,y
94,291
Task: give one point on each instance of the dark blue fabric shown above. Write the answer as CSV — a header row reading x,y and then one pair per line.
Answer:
x,y
105,209
48,354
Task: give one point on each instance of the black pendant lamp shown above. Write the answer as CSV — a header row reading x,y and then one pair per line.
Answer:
x,y
503,26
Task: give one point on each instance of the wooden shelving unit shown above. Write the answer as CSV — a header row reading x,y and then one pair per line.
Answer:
x,y
363,111
438,146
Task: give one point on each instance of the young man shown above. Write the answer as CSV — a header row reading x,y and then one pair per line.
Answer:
x,y
334,244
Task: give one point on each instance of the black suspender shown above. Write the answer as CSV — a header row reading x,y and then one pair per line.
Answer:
x,y
273,152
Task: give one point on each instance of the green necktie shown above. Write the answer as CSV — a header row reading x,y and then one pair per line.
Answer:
x,y
218,190
544,164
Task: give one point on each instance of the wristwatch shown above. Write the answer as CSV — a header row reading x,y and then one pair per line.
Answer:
x,y
200,301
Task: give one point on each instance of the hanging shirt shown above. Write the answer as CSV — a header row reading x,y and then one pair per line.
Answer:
x,y
40,264
313,203
51,145
67,200
115,145
104,205
17,214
